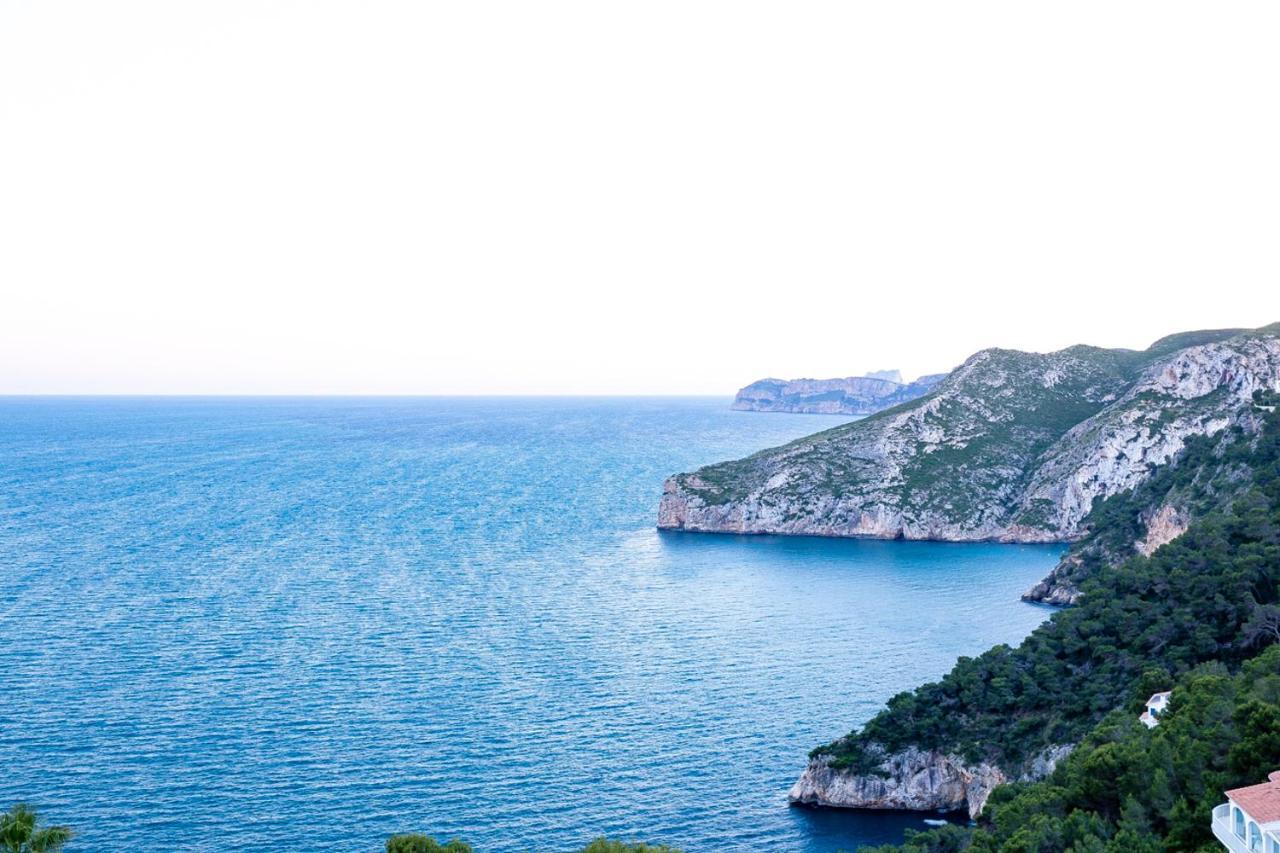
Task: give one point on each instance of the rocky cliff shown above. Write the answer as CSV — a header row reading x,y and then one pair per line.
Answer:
x,y
1191,616
914,780
1115,451
1206,475
853,395
1011,446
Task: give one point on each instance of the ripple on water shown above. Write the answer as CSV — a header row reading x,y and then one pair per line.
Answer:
x,y
235,623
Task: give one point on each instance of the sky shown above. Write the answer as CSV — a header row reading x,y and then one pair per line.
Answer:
x,y
651,197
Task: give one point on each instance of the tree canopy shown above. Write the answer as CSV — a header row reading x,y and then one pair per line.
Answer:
x,y
1201,615
1210,595
20,832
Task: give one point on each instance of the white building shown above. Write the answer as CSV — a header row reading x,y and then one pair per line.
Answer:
x,y
1249,821
1155,707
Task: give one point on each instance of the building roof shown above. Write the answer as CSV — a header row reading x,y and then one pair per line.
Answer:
x,y
1262,802
1157,698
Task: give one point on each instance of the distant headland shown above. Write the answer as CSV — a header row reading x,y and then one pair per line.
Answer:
x,y
852,395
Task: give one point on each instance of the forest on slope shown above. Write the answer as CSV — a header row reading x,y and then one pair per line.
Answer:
x,y
1200,615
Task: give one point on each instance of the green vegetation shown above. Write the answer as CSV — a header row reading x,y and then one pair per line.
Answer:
x,y
1182,340
1193,616
981,453
415,843
604,845
1210,472
1207,596
1127,789
722,483
19,832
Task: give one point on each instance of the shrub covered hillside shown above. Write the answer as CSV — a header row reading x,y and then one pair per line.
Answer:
x,y
418,843
1210,595
1207,476
1129,789
1199,614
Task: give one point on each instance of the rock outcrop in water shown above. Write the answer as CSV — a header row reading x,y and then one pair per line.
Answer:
x,y
914,780
853,395
1010,447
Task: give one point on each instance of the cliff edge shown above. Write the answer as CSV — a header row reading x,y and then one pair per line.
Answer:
x,y
1010,447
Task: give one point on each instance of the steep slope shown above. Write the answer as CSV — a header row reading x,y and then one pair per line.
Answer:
x,y
853,395
1011,446
1210,595
1127,789
1209,473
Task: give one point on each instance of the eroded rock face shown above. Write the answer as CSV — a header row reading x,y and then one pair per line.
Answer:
x,y
1163,526
1010,447
1057,590
913,780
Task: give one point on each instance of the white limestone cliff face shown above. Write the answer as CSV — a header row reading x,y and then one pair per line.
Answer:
x,y
1201,390
995,453
914,780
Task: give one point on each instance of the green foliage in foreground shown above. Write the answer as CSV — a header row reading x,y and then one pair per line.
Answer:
x,y
604,845
1210,595
415,843
19,832
1127,789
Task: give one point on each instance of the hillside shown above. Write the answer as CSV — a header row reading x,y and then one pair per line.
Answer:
x,y
1011,446
1127,789
852,395
1198,616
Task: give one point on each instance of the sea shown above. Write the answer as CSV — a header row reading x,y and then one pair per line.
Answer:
x,y
309,623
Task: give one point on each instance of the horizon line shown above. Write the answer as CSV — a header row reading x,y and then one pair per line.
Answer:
x,y
332,395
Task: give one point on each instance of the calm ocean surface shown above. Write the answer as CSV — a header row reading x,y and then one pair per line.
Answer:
x,y
264,624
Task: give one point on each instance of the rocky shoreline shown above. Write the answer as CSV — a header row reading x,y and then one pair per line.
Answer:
x,y
1011,447
913,780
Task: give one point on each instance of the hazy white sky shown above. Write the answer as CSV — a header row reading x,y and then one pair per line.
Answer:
x,y
604,197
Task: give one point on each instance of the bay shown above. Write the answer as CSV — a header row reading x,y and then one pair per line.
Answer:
x,y
295,623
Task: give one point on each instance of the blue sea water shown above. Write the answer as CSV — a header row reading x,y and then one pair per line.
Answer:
x,y
269,624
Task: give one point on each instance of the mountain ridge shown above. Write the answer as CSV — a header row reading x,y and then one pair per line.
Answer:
x,y
1009,447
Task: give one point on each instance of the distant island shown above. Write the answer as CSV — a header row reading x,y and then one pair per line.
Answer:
x,y
852,395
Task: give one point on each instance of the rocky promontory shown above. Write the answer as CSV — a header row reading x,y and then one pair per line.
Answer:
x,y
1010,447
852,395
912,780
1116,451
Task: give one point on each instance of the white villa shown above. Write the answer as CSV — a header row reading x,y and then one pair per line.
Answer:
x,y
1155,707
1249,821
